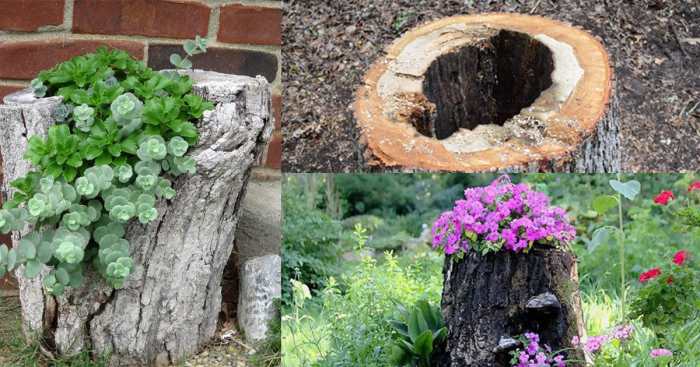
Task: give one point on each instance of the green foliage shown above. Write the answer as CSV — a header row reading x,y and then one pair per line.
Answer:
x,y
669,299
310,245
421,328
353,323
191,47
123,133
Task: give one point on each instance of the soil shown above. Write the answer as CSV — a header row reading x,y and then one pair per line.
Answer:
x,y
654,47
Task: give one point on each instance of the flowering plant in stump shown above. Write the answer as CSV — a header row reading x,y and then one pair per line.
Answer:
x,y
508,271
121,136
501,216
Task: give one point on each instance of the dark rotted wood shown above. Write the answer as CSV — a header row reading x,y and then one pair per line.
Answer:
x,y
487,82
487,298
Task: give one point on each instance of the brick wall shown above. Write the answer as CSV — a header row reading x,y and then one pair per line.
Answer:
x,y
244,38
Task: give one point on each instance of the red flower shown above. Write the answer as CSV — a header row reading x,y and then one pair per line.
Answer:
x,y
694,186
663,197
669,280
650,274
680,257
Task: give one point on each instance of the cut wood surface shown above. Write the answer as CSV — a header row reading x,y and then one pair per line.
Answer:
x,y
169,306
488,301
490,92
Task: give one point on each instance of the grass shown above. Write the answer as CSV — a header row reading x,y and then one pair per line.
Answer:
x,y
15,352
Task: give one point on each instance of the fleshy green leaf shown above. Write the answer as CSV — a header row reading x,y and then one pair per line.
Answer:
x,y
628,189
603,203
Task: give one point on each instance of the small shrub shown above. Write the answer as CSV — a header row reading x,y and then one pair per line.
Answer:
x,y
421,329
310,246
669,295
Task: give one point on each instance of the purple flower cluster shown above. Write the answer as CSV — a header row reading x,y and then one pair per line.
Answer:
x,y
500,215
536,356
594,344
661,352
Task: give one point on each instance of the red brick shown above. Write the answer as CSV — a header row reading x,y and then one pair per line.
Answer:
x,y
277,110
274,152
250,24
29,15
5,90
161,18
23,60
223,60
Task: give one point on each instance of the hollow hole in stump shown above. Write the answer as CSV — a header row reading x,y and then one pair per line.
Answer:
x,y
484,83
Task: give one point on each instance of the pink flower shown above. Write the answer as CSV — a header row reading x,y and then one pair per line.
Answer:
x,y
661,352
594,343
694,186
680,257
575,340
650,274
663,197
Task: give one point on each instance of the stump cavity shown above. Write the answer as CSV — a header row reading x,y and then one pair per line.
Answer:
x,y
490,92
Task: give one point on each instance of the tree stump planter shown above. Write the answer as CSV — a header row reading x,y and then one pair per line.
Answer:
x,y
169,306
489,300
490,92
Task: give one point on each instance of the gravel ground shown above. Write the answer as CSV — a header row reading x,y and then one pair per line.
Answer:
x,y
654,45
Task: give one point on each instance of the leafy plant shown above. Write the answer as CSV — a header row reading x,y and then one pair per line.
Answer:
x,y
604,203
198,46
669,295
122,134
421,328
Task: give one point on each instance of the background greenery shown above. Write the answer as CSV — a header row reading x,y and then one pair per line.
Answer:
x,y
355,280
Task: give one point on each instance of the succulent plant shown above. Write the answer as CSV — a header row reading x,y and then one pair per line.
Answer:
x,y
126,108
177,146
84,117
152,148
38,88
100,166
61,112
124,173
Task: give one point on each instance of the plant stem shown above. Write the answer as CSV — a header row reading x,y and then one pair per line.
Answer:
x,y
623,286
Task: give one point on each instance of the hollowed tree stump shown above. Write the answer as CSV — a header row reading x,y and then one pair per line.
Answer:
x,y
490,92
489,300
169,306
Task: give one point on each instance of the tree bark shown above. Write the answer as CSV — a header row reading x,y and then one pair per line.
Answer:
x,y
490,299
169,306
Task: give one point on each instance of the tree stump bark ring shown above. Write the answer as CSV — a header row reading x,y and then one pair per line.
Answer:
x,y
169,306
490,92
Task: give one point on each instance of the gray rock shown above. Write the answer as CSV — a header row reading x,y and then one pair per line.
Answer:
x,y
259,230
506,344
261,284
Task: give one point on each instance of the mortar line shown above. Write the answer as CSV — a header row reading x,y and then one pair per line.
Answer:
x,y
26,37
68,15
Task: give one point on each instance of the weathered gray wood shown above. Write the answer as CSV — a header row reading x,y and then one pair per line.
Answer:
x,y
169,306
487,300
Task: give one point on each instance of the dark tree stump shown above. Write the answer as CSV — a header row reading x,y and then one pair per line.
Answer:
x,y
488,299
